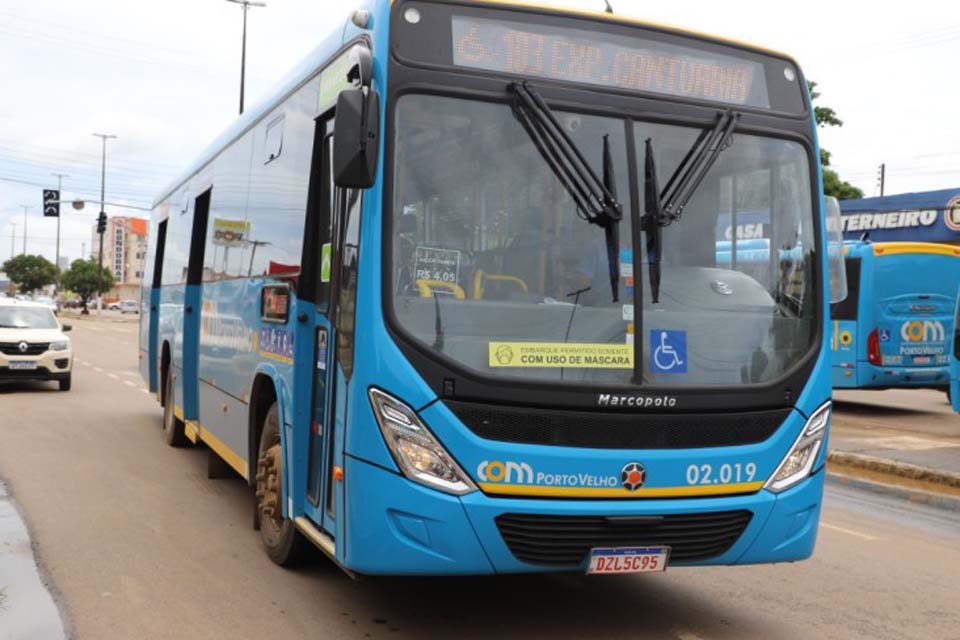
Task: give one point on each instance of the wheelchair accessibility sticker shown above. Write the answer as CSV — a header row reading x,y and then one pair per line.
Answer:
x,y
668,351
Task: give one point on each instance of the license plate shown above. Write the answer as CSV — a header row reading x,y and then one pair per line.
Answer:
x,y
628,560
921,360
23,365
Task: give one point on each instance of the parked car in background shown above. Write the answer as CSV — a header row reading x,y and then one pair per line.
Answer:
x,y
33,345
48,302
129,306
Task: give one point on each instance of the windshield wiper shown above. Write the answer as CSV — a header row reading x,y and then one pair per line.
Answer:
x,y
596,199
663,208
438,323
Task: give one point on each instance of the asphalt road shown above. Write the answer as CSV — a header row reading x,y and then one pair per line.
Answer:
x,y
138,543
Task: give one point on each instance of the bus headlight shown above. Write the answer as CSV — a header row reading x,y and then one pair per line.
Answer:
x,y
799,460
419,455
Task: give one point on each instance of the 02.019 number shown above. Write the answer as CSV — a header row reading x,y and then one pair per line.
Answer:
x,y
724,474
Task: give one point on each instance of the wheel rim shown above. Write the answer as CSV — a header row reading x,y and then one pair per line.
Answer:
x,y
270,492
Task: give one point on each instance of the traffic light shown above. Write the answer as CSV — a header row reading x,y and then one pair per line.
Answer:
x,y
51,203
102,223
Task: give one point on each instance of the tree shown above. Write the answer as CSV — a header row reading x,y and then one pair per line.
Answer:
x,y
83,278
30,273
832,184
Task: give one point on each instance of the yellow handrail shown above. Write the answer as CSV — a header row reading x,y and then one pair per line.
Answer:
x,y
426,288
478,279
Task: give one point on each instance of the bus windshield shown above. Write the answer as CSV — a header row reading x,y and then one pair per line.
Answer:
x,y
494,268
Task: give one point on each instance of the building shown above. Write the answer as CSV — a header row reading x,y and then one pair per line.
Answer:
x,y
124,252
928,216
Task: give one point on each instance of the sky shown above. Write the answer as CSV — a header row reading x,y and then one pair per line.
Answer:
x,y
164,78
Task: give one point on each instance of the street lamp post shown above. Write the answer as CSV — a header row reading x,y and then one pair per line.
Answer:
x,y
245,4
60,177
26,208
102,218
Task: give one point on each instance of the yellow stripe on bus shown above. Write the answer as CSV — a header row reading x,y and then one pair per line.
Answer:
x,y
178,412
897,248
221,449
191,429
276,356
493,488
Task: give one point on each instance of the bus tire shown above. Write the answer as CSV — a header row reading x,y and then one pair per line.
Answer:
x,y
173,433
283,543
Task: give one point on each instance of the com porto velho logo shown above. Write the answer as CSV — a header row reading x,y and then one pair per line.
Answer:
x,y
507,472
923,331
636,401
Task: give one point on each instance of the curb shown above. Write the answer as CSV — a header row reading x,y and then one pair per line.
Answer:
x,y
894,468
916,496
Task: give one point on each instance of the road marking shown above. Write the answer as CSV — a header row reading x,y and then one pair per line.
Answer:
x,y
113,375
98,369
129,384
145,391
850,532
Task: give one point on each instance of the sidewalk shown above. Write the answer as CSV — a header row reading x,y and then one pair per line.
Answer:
x,y
907,439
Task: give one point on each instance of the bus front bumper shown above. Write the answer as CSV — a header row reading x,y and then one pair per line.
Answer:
x,y
398,527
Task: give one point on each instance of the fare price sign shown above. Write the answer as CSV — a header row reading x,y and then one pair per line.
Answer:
x,y
634,64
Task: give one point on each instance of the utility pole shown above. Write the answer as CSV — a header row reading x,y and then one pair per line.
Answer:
x,y
60,177
245,4
13,239
26,208
102,218
883,177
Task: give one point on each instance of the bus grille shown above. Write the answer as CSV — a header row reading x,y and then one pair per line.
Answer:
x,y
605,430
564,541
33,348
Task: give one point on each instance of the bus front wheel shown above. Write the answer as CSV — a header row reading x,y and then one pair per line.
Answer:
x,y
284,544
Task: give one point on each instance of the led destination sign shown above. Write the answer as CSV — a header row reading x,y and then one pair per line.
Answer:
x,y
609,60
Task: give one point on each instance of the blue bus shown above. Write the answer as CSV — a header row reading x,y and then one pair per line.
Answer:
x,y
449,299
894,327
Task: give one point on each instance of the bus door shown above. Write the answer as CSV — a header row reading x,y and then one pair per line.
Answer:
x,y
316,365
844,317
191,308
955,365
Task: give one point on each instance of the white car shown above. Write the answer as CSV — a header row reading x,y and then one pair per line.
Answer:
x,y
33,345
129,306
46,301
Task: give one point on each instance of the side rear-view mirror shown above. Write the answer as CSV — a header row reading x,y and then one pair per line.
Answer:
x,y
66,327
356,143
